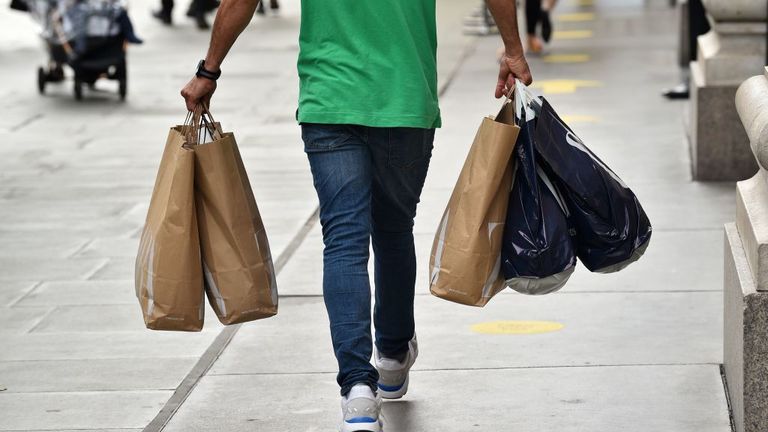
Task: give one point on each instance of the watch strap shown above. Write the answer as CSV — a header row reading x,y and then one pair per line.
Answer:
x,y
202,72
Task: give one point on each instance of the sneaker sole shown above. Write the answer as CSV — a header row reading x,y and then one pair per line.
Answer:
x,y
361,427
395,394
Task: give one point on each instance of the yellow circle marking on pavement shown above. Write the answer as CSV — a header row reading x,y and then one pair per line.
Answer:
x,y
575,17
575,118
563,86
571,34
565,58
517,327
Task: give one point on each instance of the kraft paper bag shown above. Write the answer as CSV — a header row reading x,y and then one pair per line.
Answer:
x,y
168,274
237,264
465,265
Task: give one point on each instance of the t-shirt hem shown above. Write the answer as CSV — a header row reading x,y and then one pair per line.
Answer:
x,y
370,120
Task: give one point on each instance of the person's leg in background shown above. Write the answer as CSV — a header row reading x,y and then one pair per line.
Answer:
x,y
273,4
693,24
341,168
532,17
165,12
197,10
400,163
546,20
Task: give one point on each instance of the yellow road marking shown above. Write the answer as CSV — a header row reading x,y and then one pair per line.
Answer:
x,y
571,34
563,86
517,327
575,17
584,2
566,58
576,118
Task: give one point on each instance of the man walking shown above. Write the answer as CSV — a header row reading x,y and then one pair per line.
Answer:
x,y
368,111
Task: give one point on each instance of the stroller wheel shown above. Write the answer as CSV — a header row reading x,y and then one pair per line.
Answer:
x,y
78,89
41,80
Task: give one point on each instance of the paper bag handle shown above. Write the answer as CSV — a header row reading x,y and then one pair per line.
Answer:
x,y
197,122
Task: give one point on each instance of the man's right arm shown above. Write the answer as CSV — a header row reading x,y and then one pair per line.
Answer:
x,y
231,19
513,64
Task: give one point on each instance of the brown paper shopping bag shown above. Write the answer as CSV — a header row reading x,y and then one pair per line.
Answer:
x,y
465,266
238,271
168,276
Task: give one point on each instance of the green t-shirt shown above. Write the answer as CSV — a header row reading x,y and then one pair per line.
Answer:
x,y
368,62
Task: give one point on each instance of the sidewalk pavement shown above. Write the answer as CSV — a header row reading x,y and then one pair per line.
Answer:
x,y
635,351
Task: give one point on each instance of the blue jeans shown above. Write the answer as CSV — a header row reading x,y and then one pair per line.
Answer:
x,y
368,181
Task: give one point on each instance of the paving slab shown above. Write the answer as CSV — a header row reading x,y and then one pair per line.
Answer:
x,y
11,291
17,321
599,329
91,319
31,246
79,346
111,247
116,268
77,293
94,374
668,265
80,410
632,399
41,268
85,430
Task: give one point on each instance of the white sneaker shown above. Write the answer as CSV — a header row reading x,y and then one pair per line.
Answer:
x,y
393,374
360,410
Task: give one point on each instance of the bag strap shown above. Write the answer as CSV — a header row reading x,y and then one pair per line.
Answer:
x,y
197,122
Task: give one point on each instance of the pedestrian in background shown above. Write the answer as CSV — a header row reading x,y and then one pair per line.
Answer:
x,y
273,5
368,110
538,12
693,23
198,9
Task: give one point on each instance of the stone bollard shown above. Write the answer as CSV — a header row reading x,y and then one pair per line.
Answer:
x,y
730,53
745,345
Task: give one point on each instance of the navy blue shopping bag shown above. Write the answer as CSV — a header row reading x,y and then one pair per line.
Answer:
x,y
538,252
612,229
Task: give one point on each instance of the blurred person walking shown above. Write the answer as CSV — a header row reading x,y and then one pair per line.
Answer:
x,y
273,5
538,12
368,110
197,10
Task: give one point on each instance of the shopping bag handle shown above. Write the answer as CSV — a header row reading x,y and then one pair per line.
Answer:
x,y
503,116
527,104
198,121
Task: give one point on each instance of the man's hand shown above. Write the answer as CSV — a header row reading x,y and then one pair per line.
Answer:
x,y
512,67
198,90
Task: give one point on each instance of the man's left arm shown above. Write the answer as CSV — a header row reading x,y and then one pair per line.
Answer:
x,y
513,63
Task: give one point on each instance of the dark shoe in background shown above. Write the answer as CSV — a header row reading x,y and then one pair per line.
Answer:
x,y
546,26
677,92
273,5
164,16
201,22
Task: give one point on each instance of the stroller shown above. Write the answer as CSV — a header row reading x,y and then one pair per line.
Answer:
x,y
86,35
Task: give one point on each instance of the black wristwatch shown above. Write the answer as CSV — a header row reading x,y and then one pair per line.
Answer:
x,y
202,72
